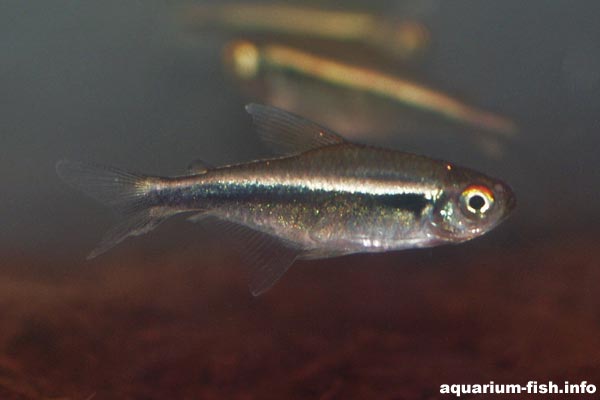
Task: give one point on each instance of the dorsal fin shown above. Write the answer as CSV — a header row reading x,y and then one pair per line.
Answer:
x,y
286,133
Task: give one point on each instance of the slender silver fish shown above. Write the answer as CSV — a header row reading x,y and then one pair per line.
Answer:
x,y
404,39
323,197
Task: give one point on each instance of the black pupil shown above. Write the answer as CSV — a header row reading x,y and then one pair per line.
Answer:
x,y
476,202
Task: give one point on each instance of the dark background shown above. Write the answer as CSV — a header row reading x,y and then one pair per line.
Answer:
x,y
120,83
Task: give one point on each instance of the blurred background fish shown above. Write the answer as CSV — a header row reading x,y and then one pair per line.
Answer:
x,y
355,71
366,103
404,39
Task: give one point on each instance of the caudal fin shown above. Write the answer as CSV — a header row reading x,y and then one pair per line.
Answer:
x,y
125,192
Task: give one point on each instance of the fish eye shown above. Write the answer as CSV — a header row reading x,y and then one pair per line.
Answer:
x,y
477,200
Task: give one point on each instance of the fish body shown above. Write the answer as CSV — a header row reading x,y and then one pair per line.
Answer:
x,y
323,197
404,39
338,199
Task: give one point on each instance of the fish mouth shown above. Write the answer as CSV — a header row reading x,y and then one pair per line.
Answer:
x,y
509,200
511,204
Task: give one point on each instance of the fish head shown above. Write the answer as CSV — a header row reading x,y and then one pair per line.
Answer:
x,y
470,205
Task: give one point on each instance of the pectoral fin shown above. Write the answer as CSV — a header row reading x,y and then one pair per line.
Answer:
x,y
286,133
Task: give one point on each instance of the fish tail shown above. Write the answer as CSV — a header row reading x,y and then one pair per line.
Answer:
x,y
125,192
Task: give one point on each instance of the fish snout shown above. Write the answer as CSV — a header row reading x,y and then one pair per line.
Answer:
x,y
507,197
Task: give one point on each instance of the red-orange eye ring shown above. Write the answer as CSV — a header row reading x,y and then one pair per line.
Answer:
x,y
477,199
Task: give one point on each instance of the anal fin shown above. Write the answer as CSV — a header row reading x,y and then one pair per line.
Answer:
x,y
269,261
266,256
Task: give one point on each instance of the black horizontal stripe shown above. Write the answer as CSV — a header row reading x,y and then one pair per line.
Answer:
x,y
412,202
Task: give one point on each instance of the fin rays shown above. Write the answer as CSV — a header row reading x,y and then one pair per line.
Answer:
x,y
122,191
266,257
111,186
135,225
287,133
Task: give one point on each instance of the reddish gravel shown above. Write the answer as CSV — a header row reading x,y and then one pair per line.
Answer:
x,y
177,326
